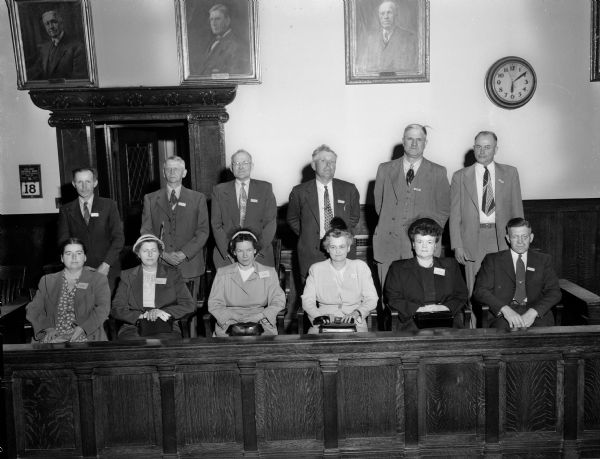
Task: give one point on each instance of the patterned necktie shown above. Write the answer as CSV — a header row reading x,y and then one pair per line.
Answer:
x,y
243,202
173,200
86,213
487,202
410,175
327,211
520,291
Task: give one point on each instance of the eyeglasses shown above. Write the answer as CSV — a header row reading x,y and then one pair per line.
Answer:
x,y
241,164
485,148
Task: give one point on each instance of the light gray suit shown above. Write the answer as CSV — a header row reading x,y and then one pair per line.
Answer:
x,y
464,213
398,205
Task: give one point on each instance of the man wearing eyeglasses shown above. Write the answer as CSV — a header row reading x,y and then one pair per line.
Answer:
x,y
314,205
243,203
484,197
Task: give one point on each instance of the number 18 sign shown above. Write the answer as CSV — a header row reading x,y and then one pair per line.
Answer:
x,y
30,176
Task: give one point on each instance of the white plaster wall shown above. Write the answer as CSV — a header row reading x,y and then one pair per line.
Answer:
x,y
303,100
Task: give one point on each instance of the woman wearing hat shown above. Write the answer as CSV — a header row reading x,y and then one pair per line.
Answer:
x,y
245,291
151,296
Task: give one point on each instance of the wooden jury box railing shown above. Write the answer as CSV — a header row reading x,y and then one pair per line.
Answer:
x,y
450,392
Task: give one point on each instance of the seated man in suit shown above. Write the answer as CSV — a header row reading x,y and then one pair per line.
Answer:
x,y
519,286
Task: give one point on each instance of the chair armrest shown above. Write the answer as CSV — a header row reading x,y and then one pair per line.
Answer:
x,y
207,320
485,312
280,321
184,323
580,301
300,318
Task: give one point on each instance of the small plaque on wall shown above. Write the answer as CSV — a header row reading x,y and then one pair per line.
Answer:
x,y
30,176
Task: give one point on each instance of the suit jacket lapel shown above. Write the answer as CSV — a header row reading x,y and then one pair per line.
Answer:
x,y
396,172
339,195
509,268
137,286
233,204
471,184
313,199
162,201
423,175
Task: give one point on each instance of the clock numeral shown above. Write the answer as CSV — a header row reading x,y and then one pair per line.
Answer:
x,y
501,75
526,81
506,69
498,82
520,94
524,89
512,67
512,96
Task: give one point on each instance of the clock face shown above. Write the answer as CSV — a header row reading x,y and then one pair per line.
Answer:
x,y
510,82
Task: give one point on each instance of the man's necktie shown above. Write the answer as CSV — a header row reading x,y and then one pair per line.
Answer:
x,y
487,202
243,203
410,175
520,291
327,211
86,213
173,200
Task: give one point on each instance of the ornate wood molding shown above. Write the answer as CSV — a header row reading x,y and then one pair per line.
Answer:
x,y
205,102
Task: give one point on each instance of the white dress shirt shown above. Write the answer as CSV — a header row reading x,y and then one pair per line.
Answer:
x,y
479,171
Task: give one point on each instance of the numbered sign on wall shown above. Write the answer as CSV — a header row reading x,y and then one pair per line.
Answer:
x,y
30,176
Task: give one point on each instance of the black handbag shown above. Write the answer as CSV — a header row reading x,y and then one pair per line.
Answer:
x,y
327,326
439,319
245,329
148,328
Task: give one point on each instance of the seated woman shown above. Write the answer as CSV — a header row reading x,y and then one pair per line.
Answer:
x,y
245,291
339,287
72,304
151,296
425,283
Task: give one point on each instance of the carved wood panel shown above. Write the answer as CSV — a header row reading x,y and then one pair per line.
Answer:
x,y
453,398
209,405
372,400
289,403
591,395
47,408
127,408
531,396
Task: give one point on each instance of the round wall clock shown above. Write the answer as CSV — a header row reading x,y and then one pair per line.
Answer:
x,y
510,82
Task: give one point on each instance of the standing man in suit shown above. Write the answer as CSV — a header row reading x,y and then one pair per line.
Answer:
x,y
519,286
315,203
179,217
407,188
485,196
96,222
62,56
243,203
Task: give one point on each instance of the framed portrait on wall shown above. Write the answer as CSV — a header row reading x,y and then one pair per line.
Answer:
x,y
217,41
387,41
53,42
595,42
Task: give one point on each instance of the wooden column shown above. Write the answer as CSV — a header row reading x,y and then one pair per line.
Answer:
x,y
329,369
248,374
570,398
492,406
166,374
411,403
87,423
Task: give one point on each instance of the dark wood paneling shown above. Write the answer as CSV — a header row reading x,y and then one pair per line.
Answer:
x,y
371,395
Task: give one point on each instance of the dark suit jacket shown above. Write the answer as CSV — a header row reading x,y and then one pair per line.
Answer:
x,y
173,296
495,284
228,56
405,293
398,205
464,211
92,304
103,237
303,217
68,61
261,218
187,232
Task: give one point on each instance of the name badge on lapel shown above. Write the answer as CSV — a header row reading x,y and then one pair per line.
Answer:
x,y
160,281
341,201
417,189
529,268
253,200
264,274
439,271
94,214
82,285
182,204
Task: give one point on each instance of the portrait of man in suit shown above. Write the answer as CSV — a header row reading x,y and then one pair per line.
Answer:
x,y
387,46
61,55
218,36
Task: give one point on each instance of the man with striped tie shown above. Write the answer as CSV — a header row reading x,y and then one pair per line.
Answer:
x,y
315,203
484,197
243,203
